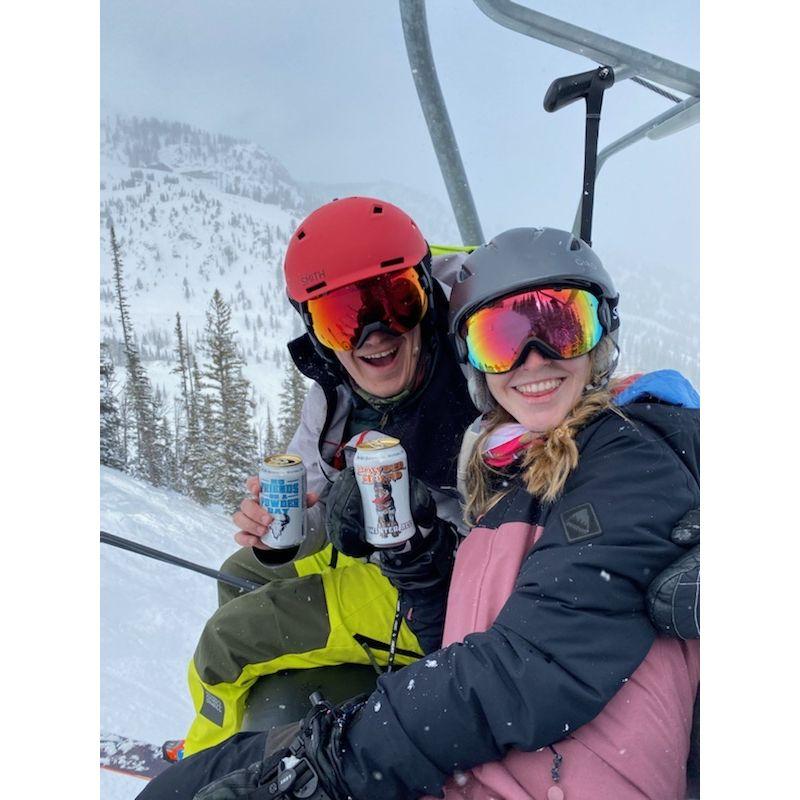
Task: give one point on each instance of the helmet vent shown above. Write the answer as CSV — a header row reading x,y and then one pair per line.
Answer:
x,y
574,244
301,234
316,286
392,261
463,273
377,209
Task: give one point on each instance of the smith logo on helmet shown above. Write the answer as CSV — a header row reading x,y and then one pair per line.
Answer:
x,y
580,523
313,276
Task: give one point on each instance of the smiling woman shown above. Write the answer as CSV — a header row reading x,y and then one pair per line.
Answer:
x,y
540,392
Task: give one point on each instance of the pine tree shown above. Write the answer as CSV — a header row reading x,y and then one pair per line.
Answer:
x,y
163,452
111,451
229,415
293,395
271,442
127,426
145,462
181,408
197,466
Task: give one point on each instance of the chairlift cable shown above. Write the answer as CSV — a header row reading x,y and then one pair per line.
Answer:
x,y
657,89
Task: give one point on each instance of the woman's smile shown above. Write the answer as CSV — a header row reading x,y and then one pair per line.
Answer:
x,y
541,392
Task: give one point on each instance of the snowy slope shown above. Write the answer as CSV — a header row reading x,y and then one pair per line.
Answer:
x,y
151,613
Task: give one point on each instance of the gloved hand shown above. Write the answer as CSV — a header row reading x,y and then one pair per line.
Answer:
x,y
309,768
243,782
673,598
344,514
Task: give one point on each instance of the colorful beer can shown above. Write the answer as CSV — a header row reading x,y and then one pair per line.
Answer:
x,y
381,469
283,494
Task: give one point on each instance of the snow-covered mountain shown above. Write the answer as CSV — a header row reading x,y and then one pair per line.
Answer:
x,y
151,614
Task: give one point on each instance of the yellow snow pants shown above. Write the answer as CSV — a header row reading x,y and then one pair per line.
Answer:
x,y
310,613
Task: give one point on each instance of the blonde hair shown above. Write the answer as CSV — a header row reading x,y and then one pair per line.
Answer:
x,y
549,458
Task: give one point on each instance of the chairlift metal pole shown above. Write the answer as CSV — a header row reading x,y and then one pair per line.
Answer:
x,y
423,68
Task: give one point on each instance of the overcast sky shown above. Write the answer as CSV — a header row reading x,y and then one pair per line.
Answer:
x,y
326,88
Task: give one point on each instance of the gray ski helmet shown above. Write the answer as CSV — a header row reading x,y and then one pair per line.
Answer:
x,y
523,258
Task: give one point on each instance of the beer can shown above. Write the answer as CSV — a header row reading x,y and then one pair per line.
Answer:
x,y
381,469
283,494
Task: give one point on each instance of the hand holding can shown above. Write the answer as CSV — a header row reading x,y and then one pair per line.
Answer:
x,y
253,521
282,494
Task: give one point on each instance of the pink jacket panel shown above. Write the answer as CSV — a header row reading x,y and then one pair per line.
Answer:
x,y
635,748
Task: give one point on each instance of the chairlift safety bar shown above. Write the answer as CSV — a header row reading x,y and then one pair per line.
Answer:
x,y
627,61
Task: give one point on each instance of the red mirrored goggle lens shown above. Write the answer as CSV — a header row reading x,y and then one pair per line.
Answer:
x,y
563,322
396,300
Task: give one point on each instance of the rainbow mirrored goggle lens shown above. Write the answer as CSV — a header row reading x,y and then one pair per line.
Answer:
x,y
396,302
563,323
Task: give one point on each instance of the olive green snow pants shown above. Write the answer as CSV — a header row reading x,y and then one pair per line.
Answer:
x,y
309,613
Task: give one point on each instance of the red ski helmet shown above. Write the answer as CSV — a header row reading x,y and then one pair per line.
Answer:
x,y
348,240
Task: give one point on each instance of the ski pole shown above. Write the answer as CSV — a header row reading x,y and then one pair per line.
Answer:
x,y
160,555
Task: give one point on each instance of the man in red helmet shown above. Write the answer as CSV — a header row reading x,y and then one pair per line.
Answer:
x,y
358,270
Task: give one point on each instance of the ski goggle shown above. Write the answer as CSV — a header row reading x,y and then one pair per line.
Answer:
x,y
395,302
561,323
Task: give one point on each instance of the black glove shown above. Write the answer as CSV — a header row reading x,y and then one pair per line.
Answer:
x,y
673,598
344,514
244,782
423,562
309,769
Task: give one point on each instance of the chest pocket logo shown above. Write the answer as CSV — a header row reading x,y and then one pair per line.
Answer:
x,y
580,523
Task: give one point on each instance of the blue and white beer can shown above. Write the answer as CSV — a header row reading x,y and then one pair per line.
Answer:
x,y
282,481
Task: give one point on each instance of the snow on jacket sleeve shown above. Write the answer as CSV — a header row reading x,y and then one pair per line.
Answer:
x,y
574,628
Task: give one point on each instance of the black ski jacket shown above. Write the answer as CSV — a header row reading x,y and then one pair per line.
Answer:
x,y
565,640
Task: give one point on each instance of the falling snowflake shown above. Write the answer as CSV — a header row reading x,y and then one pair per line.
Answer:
x,y
604,575
410,685
430,663
377,706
